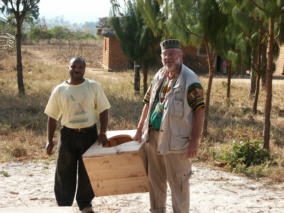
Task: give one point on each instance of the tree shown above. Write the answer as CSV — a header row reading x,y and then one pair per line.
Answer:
x,y
137,40
272,13
262,25
60,32
199,22
247,38
38,32
19,10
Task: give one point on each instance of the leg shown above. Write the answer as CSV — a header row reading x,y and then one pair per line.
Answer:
x,y
85,192
66,172
178,168
156,175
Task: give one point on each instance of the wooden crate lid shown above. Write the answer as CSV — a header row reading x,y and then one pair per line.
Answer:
x,y
98,150
115,133
119,141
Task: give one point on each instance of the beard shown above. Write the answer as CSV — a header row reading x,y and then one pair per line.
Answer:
x,y
175,67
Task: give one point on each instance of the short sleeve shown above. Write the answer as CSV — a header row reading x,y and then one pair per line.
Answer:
x,y
195,96
52,108
101,102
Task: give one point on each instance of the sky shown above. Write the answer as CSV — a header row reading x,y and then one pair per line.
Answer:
x,y
75,11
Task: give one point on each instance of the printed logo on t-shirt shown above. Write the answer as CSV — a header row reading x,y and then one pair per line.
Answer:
x,y
80,114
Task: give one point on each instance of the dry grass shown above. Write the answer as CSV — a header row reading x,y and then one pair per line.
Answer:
x,y
63,51
236,122
23,124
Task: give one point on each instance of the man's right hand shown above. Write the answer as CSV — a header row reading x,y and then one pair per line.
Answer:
x,y
49,146
138,135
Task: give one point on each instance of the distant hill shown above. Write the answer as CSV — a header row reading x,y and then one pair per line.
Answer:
x,y
89,27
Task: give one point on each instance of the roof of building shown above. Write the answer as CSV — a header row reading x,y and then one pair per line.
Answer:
x,y
106,32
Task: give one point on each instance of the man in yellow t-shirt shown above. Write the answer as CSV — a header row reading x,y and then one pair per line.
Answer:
x,y
79,104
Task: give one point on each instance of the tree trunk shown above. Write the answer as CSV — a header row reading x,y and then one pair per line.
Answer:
x,y
254,108
208,92
256,95
268,101
145,78
21,87
136,78
229,82
242,67
263,65
252,81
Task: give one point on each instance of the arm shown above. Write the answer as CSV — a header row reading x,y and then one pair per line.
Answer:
x,y
51,126
143,116
103,127
197,126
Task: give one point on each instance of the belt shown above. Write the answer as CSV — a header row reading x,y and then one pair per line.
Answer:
x,y
80,129
153,129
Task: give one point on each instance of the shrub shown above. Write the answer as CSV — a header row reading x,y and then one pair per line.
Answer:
x,y
245,154
16,150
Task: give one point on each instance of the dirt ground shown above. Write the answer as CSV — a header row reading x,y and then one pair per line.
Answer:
x,y
31,185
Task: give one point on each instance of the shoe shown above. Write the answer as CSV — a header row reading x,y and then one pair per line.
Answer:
x,y
88,210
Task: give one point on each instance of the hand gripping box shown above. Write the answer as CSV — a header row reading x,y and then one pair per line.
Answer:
x,y
117,169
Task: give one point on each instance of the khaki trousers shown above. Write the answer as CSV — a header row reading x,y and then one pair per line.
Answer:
x,y
172,168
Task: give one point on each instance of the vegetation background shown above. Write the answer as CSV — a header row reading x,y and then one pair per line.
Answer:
x,y
23,123
233,134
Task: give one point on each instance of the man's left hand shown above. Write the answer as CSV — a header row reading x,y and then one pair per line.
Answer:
x,y
192,150
102,139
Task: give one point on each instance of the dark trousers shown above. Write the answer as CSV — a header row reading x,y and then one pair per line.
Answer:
x,y
70,171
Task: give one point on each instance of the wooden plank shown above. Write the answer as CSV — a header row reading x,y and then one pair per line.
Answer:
x,y
115,174
120,186
114,166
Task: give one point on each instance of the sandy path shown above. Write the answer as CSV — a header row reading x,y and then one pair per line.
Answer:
x,y
31,184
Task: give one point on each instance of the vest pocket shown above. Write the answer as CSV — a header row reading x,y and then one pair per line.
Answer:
x,y
178,108
179,143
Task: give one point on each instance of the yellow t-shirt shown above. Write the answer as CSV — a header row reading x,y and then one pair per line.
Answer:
x,y
78,106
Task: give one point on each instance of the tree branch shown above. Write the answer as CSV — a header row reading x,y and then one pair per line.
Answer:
x,y
183,21
259,7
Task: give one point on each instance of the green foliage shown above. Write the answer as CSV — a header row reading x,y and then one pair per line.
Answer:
x,y
154,17
6,27
137,40
59,32
20,10
233,57
245,154
196,21
40,32
4,174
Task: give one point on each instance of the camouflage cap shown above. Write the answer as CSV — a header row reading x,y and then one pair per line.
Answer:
x,y
170,43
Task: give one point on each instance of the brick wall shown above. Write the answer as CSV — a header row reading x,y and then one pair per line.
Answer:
x,y
113,56
195,60
280,62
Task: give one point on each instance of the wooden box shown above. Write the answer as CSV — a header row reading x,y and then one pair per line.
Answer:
x,y
117,169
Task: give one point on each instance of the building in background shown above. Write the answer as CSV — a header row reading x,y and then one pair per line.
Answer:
x,y
114,58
